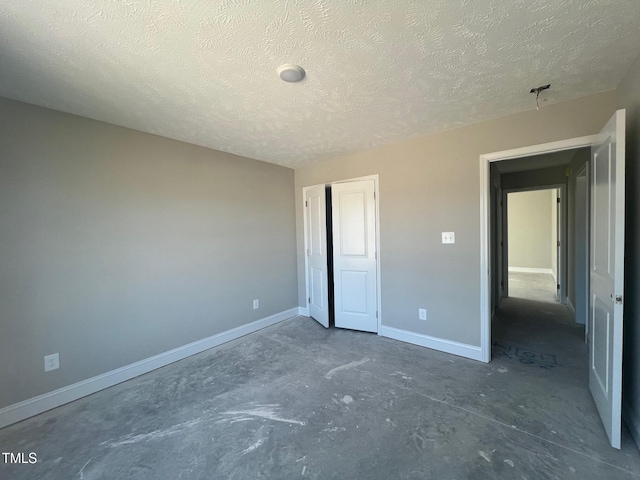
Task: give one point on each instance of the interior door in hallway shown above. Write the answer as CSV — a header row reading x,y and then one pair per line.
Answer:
x,y
317,254
354,255
606,275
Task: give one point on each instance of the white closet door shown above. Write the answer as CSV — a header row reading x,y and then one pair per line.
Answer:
x,y
317,254
354,255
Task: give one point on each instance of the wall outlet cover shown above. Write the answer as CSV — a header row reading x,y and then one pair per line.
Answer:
x,y
256,304
51,362
422,314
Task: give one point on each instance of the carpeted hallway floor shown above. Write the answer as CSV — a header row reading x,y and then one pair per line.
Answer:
x,y
298,401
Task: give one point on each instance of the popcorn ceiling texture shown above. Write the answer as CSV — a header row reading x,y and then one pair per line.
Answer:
x,y
378,71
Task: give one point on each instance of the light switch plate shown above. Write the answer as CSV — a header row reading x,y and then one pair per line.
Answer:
x,y
448,237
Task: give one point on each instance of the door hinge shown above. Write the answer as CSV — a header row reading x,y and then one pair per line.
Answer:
x,y
376,314
375,255
558,242
309,299
619,299
558,199
558,287
374,195
308,252
306,203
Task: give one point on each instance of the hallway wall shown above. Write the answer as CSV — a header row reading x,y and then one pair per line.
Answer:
x,y
577,238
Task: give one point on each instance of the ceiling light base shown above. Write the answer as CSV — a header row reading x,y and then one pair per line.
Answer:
x,y
291,73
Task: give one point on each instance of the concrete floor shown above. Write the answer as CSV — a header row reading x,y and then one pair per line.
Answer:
x,y
533,286
298,401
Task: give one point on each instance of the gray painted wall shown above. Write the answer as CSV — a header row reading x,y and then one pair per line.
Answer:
x,y
628,96
117,245
429,185
531,228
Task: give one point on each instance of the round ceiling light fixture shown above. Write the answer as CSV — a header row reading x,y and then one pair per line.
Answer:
x,y
291,73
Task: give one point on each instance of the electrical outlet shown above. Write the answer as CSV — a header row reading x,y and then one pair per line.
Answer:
x,y
256,304
51,362
448,237
422,314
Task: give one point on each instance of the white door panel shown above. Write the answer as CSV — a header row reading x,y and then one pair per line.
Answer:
x,y
353,224
606,275
317,254
354,292
354,255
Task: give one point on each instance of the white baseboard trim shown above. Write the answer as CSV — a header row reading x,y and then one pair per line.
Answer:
x,y
447,346
633,422
530,270
571,308
36,405
303,311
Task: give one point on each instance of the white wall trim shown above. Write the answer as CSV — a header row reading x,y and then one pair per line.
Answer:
x,y
36,405
303,311
633,422
530,270
541,149
461,349
485,254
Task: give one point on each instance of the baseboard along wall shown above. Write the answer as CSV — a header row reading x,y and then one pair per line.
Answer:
x,y
530,270
461,349
36,405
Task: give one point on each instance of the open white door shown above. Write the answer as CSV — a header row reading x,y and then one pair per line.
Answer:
x,y
606,275
317,254
354,255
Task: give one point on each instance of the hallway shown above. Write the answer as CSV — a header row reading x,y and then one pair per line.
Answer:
x,y
546,355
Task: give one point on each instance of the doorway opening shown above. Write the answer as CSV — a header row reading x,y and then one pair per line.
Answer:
x,y
342,270
606,210
533,242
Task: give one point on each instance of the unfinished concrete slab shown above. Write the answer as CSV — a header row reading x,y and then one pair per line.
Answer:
x,y
540,287
298,401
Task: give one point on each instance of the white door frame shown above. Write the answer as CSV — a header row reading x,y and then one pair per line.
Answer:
x,y
376,188
485,189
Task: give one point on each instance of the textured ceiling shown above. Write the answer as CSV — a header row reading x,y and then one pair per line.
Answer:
x,y
378,71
